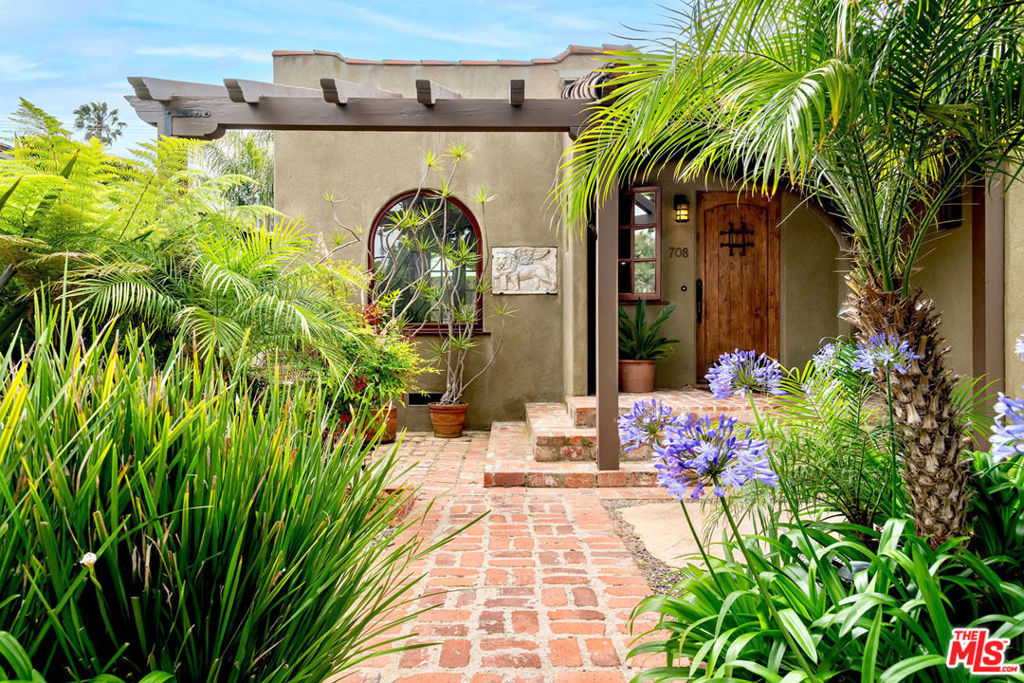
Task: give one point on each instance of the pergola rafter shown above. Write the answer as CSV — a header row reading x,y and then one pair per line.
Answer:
x,y
340,92
205,111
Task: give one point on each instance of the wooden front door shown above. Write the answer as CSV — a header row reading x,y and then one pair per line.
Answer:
x,y
738,245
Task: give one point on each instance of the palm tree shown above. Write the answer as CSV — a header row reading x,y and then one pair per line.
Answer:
x,y
880,110
99,122
243,153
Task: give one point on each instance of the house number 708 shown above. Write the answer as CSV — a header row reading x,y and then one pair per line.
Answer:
x,y
678,252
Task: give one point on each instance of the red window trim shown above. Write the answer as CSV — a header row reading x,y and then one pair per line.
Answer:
x,y
427,329
627,196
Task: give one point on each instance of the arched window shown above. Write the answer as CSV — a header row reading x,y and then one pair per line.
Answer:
x,y
425,254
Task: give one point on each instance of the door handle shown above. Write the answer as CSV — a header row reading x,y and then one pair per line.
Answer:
x,y
700,300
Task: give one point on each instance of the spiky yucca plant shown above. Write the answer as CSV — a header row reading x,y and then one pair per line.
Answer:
x,y
881,110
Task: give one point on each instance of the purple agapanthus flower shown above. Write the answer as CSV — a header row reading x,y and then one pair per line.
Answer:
x,y
885,352
743,372
825,359
708,454
1018,347
1008,428
645,423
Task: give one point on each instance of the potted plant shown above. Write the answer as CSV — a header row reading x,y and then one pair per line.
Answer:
x,y
367,374
384,373
640,347
427,280
456,343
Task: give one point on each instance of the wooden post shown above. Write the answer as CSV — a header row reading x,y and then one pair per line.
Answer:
x,y
607,338
987,287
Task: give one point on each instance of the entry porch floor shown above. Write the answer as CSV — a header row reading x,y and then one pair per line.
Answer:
x,y
556,445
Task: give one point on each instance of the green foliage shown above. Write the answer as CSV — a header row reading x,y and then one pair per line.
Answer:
x,y
830,439
879,110
892,621
228,285
69,205
640,341
998,515
151,242
235,539
247,155
426,267
835,585
19,669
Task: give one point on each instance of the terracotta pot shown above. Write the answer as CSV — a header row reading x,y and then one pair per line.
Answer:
x,y
636,376
390,425
448,420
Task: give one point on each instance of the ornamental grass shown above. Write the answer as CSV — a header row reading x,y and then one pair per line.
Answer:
x,y
170,516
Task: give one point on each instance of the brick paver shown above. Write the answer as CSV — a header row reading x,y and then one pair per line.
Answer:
x,y
540,590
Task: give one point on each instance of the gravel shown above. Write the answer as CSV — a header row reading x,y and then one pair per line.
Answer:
x,y
660,577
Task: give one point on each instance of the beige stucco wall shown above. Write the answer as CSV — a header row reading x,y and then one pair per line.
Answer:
x,y
812,288
365,170
944,273
1014,283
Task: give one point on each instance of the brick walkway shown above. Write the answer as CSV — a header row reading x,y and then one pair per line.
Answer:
x,y
543,587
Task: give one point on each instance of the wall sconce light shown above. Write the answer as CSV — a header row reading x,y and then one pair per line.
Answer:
x,y
682,208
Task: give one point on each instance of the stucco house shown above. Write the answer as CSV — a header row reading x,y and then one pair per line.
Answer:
x,y
743,271
765,274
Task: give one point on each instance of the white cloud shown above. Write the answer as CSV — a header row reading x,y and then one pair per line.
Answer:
x,y
18,69
206,52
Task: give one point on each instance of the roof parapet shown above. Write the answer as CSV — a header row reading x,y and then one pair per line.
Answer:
x,y
571,50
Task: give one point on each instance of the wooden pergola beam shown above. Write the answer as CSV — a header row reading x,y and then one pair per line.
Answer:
x,y
163,90
428,92
251,92
337,91
209,117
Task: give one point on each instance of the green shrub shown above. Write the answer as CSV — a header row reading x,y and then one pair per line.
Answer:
x,y
997,511
863,599
890,622
16,666
233,541
639,340
150,241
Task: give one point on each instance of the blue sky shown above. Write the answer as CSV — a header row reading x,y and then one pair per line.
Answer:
x,y
59,54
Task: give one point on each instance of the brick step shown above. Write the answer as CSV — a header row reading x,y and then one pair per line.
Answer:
x,y
582,410
554,438
510,462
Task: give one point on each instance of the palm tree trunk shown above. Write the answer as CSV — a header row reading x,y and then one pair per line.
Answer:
x,y
932,433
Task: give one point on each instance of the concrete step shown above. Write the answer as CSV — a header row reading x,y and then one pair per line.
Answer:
x,y
510,462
